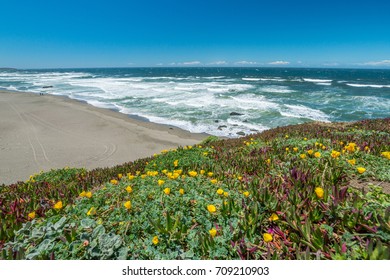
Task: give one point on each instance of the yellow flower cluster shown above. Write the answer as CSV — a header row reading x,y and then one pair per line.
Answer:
x,y
160,182
386,155
351,147
220,191
319,192
167,191
267,237
86,194
176,163
335,154
213,232
361,170
152,173
127,205
114,182
317,154
211,208
352,161
129,189
31,215
273,217
155,240
192,173
246,193
58,205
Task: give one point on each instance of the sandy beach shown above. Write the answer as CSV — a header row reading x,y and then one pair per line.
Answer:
x,y
47,132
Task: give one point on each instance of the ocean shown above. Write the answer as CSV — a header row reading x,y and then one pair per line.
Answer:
x,y
220,101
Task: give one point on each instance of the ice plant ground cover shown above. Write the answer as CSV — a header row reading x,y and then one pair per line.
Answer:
x,y
311,191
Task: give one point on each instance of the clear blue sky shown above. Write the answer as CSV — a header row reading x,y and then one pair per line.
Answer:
x,y
120,33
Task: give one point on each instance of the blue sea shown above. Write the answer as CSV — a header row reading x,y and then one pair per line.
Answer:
x,y
219,101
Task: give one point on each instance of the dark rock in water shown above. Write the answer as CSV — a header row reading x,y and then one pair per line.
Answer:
x,y
235,114
245,121
171,128
216,121
240,133
235,124
47,86
254,130
222,126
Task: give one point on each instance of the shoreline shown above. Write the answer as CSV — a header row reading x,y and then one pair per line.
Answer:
x,y
50,131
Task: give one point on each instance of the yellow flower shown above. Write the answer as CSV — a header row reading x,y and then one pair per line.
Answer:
x,y
267,237
192,173
91,211
335,154
246,194
351,147
213,181
220,191
120,176
181,191
287,149
82,194
286,136
386,154
210,174
176,163
302,156
167,190
295,149
131,177
351,161
178,171
88,194
155,240
319,192
160,182
202,172
205,154
317,154
268,161
129,189
361,170
366,148
211,208
164,151
305,139
58,205
273,217
225,194
114,182
213,232
127,205
164,171
310,152
239,178
31,215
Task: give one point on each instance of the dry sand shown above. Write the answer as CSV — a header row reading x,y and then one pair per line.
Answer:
x,y
47,132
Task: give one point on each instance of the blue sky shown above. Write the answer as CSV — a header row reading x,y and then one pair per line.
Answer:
x,y
120,33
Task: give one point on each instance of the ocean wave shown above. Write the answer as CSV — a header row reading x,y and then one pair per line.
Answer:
x,y
300,111
371,86
316,80
277,89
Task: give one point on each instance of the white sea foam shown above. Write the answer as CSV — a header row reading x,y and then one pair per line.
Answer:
x,y
300,111
251,79
371,86
324,84
277,89
316,80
